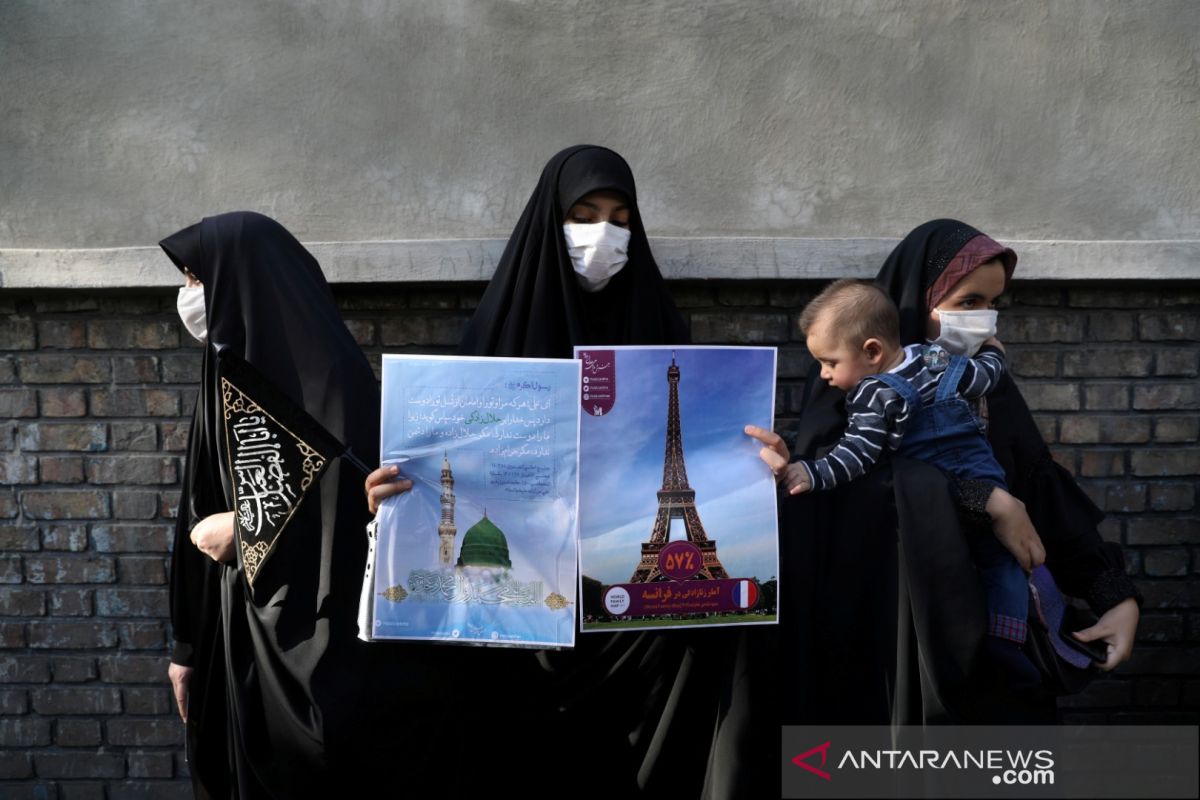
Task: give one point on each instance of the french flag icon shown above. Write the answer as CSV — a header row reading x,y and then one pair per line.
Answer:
x,y
745,594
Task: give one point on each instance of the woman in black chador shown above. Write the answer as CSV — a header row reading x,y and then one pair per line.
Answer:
x,y
884,618
630,711
550,294
273,677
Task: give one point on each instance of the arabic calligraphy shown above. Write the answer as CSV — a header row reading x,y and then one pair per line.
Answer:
x,y
592,365
265,495
439,586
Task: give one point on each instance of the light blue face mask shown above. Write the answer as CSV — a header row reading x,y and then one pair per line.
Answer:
x,y
190,305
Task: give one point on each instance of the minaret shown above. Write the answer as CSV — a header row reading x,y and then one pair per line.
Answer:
x,y
446,528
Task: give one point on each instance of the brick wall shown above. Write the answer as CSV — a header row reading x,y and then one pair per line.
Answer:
x,y
94,388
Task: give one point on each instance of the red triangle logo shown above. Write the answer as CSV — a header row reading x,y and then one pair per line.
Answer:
x,y
823,749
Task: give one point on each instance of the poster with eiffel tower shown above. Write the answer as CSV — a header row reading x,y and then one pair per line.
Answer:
x,y
677,514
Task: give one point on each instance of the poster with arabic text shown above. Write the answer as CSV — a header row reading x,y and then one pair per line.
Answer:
x,y
483,549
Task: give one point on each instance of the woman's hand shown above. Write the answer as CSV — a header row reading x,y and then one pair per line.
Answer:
x,y
1117,627
213,535
180,677
774,452
383,483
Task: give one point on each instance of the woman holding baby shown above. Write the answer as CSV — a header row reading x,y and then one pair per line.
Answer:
x,y
882,622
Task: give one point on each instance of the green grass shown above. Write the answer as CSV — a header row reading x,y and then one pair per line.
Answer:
x,y
672,623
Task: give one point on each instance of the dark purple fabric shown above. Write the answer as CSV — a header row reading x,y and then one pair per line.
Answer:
x,y
1051,606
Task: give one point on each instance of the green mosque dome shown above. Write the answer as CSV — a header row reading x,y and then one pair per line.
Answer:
x,y
484,545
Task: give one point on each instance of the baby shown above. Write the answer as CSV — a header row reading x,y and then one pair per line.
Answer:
x,y
913,400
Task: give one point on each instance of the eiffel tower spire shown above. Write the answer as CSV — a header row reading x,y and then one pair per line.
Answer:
x,y
674,469
676,500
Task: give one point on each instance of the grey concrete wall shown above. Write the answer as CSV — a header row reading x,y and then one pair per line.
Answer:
x,y
1076,120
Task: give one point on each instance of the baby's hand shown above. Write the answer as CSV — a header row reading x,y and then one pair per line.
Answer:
x,y
1015,530
774,452
796,479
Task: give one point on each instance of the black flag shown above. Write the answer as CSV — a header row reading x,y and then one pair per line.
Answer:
x,y
276,452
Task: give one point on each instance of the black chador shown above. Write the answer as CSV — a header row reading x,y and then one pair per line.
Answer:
x,y
285,701
883,617
534,307
661,712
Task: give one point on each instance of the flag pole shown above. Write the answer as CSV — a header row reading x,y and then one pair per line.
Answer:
x,y
356,461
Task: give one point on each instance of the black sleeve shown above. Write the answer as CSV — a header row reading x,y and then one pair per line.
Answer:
x,y
188,579
194,591
1084,565
195,588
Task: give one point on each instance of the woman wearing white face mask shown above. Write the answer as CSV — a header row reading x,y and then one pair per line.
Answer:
x,y
888,631
279,697
659,706
577,269
597,237
190,305
963,319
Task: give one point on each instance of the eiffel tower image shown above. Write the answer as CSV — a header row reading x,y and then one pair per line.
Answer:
x,y
676,500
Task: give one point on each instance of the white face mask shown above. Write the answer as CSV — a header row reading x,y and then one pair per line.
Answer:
x,y
964,332
598,251
191,311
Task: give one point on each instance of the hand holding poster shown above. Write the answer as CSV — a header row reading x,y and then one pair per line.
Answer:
x,y
677,512
483,548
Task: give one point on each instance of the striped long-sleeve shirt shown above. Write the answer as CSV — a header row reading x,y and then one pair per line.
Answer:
x,y
877,414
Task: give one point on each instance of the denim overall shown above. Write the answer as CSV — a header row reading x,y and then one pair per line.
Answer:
x,y
945,433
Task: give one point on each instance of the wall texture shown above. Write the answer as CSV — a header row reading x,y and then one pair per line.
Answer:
x,y
1069,119
775,139
95,390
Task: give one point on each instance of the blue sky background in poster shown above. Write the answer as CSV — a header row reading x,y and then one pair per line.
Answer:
x,y
720,391
508,429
